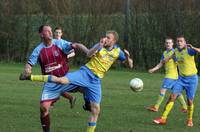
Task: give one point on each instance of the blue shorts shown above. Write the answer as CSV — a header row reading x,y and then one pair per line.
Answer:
x,y
188,83
52,91
168,83
85,78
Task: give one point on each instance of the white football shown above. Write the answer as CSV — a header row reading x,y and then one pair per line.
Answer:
x,y
136,84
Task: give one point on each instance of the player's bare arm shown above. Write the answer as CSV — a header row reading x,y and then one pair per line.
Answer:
x,y
168,58
158,66
94,49
194,48
80,47
128,58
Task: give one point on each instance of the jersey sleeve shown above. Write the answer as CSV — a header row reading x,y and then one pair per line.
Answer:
x,y
174,58
191,51
122,56
33,59
64,45
162,57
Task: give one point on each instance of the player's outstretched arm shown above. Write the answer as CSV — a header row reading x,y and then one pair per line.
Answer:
x,y
80,47
94,49
128,58
194,48
165,60
158,66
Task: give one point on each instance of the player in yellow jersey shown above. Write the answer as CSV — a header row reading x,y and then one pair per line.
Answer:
x,y
103,55
188,80
171,75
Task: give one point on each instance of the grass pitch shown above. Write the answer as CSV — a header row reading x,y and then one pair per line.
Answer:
x,y
121,109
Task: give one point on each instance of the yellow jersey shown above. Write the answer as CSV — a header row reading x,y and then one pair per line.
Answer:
x,y
103,60
186,62
170,66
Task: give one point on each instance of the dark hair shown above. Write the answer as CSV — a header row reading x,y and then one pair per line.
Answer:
x,y
41,28
180,36
58,28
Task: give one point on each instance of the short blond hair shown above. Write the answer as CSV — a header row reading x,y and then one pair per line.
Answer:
x,y
116,35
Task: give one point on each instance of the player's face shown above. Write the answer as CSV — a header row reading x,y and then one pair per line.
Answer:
x,y
58,34
46,33
181,43
110,40
169,44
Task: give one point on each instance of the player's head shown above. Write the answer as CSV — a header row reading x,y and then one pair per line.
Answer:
x,y
180,41
45,32
111,38
169,43
58,33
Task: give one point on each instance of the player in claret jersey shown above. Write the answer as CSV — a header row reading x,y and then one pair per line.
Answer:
x,y
51,54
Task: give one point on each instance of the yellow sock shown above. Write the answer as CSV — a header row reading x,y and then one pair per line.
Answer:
x,y
40,78
190,111
167,110
159,101
91,126
182,101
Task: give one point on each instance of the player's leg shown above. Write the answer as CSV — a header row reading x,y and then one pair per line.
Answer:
x,y
50,94
160,99
190,112
95,110
163,119
72,99
181,100
44,78
92,94
45,116
65,93
167,84
190,92
175,91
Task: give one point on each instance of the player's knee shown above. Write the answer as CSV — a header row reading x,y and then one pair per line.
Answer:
x,y
190,102
95,109
44,109
173,97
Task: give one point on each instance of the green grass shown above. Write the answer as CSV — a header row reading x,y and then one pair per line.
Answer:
x,y
121,110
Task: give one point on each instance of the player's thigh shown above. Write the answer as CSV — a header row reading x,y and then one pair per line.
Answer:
x,y
69,88
191,87
168,83
51,91
78,78
93,94
177,87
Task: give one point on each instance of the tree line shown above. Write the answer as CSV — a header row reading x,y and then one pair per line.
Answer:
x,y
141,24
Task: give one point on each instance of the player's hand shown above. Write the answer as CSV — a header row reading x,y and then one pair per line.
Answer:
x,y
151,70
102,41
190,46
27,72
